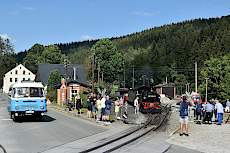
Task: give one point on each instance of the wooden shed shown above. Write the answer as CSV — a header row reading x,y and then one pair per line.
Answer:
x,y
168,89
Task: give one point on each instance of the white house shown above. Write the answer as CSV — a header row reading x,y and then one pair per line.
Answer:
x,y
17,74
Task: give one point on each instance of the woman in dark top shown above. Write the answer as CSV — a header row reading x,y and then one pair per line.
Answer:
x,y
89,107
78,103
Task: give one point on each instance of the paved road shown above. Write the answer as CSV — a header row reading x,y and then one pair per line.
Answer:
x,y
31,136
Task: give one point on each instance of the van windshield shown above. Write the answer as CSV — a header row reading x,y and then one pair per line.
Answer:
x,y
21,92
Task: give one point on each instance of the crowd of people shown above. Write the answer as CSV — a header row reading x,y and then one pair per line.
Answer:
x,y
100,107
209,112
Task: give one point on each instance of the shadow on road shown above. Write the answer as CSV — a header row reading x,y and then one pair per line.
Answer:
x,y
45,118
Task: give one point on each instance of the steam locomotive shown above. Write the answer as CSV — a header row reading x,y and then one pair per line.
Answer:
x,y
149,100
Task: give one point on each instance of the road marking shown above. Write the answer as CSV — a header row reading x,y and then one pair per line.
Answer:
x,y
6,119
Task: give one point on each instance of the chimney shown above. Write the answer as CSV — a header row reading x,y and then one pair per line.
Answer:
x,y
74,73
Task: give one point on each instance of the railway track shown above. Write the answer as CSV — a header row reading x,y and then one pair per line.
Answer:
x,y
2,149
153,122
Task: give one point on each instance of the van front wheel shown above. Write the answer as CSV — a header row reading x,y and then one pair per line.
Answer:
x,y
39,117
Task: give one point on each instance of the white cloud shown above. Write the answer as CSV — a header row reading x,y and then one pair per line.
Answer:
x,y
21,9
5,36
86,37
139,13
28,8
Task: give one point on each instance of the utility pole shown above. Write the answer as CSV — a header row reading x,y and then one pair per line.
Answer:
x,y
143,79
93,65
65,65
124,72
206,95
133,78
66,75
187,87
102,76
195,76
98,73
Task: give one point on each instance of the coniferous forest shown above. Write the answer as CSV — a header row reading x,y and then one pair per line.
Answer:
x,y
154,54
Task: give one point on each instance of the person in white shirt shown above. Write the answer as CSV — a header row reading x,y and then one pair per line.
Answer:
x,y
227,108
220,111
103,108
136,105
98,104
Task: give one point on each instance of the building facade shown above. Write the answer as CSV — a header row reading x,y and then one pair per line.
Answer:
x,y
17,74
168,89
68,90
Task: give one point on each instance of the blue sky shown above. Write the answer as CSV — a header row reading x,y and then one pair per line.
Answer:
x,y
27,22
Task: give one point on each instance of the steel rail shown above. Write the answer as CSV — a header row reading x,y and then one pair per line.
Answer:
x,y
141,135
3,149
149,122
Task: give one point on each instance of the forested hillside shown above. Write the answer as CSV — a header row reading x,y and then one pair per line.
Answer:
x,y
167,51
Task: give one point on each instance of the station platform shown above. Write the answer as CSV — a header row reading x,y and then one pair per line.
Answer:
x,y
208,138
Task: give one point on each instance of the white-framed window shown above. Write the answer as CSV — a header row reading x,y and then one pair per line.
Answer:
x,y
16,80
16,71
24,72
11,80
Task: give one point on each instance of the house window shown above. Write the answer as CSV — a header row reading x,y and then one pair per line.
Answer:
x,y
29,73
28,79
23,79
24,72
10,72
20,67
16,71
16,80
11,80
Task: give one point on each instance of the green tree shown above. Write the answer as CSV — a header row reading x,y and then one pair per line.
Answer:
x,y
5,46
53,81
7,58
51,54
180,81
33,57
108,58
40,54
218,72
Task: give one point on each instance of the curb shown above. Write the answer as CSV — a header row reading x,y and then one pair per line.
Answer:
x,y
73,114
78,116
175,131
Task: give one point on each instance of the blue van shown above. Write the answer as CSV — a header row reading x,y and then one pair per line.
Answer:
x,y
27,98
